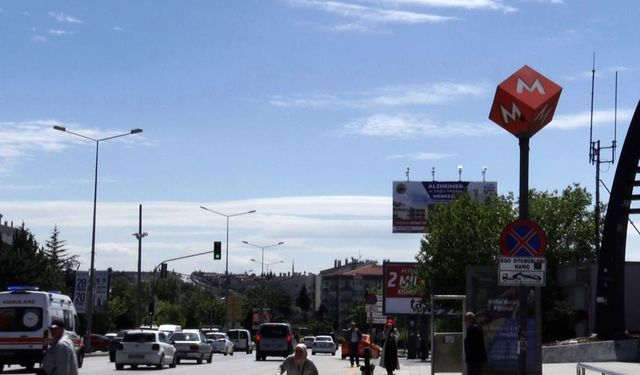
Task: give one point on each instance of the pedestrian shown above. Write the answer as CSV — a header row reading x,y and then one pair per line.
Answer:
x,y
61,358
389,356
298,363
354,336
474,350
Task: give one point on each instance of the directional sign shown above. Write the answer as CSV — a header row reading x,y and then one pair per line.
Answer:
x,y
523,264
521,278
522,238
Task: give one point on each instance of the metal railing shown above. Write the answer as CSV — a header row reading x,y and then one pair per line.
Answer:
x,y
581,368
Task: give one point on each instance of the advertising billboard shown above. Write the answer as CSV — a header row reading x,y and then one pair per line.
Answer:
x,y
400,288
101,297
412,200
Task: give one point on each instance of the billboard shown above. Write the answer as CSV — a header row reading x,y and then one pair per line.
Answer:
x,y
400,289
412,200
81,291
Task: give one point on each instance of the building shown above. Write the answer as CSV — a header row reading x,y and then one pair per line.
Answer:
x,y
345,285
6,232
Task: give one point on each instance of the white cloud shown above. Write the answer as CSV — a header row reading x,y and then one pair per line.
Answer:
x,y
405,126
421,156
315,229
361,15
462,4
57,32
37,38
583,119
61,17
117,28
19,139
392,96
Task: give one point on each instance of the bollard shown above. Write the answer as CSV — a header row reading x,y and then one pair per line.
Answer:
x,y
367,369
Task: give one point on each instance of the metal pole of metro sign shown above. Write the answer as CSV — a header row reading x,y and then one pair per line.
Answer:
x,y
524,103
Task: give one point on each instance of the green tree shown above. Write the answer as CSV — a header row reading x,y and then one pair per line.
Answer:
x,y
303,301
467,232
23,262
463,232
60,265
267,297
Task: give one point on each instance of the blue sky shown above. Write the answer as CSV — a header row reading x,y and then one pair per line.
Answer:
x,y
302,110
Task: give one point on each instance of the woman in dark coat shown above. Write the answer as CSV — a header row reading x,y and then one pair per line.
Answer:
x,y
389,357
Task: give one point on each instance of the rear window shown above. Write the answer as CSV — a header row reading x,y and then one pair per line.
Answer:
x,y
181,336
139,337
215,336
21,319
325,338
274,331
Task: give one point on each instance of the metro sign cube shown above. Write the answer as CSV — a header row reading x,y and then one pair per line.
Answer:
x,y
525,102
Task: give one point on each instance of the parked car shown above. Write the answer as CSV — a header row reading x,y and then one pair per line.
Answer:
x,y
113,346
145,347
100,342
323,344
191,344
274,339
363,343
220,342
241,339
308,341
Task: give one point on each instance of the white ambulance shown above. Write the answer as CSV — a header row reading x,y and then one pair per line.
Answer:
x,y
25,315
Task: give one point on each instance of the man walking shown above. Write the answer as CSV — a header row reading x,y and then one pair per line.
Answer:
x,y
353,338
61,358
475,353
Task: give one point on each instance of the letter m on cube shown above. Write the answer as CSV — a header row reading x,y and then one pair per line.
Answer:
x,y
525,102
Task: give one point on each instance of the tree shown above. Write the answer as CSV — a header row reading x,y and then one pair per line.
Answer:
x,y
60,265
303,301
23,262
467,232
463,232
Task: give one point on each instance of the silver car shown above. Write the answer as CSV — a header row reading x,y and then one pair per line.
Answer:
x,y
144,347
191,344
220,342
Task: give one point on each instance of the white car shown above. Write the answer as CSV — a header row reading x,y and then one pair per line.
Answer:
x,y
323,344
191,344
144,347
220,342
308,341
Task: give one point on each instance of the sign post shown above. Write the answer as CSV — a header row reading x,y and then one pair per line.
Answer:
x,y
524,103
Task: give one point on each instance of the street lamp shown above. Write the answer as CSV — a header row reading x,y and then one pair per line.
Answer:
x,y
139,236
92,276
226,267
267,264
263,247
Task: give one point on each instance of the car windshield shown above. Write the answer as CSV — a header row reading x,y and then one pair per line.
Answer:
x,y
323,338
182,336
274,331
139,337
216,336
233,334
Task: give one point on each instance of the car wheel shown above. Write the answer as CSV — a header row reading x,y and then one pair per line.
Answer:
x,y
225,353
161,363
173,363
231,352
133,367
313,353
178,361
344,356
119,366
210,357
257,355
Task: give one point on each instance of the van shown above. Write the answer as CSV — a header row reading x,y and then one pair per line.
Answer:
x,y
241,339
169,329
25,316
274,339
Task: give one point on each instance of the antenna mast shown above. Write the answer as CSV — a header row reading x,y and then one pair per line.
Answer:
x,y
595,150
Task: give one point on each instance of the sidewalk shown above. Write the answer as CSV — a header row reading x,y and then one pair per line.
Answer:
x,y
417,367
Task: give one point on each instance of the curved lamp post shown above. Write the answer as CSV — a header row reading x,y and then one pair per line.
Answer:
x,y
92,276
226,267
262,247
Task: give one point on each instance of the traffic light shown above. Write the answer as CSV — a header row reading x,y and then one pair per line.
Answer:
x,y
217,250
163,271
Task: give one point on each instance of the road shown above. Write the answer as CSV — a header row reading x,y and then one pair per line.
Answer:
x,y
245,364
